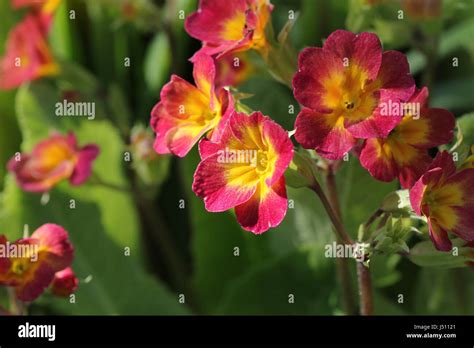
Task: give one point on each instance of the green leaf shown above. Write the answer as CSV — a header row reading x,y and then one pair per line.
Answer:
x,y
64,38
77,78
397,201
215,239
384,270
466,123
416,60
157,62
444,292
122,227
100,235
35,107
301,282
119,285
118,105
424,254
306,223
279,105
359,15
395,33
360,194
458,36
36,114
454,94
9,133
383,306
9,18
301,172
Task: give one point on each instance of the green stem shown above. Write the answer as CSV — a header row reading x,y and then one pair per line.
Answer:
x,y
342,264
16,307
363,273
373,217
338,227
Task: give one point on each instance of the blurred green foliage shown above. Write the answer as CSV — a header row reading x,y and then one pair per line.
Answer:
x,y
231,271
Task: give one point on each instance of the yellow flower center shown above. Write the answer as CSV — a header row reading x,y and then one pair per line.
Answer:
x,y
349,94
441,201
262,162
20,266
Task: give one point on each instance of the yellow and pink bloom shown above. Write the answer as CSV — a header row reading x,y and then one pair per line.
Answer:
x,y
245,171
231,25
185,112
52,160
445,196
27,56
64,283
45,253
403,154
342,87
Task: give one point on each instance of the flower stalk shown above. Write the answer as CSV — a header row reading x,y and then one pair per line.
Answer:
x,y
365,289
342,264
338,226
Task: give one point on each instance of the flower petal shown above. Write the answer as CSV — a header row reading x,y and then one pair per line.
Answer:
x,y
4,261
465,211
439,124
179,119
27,56
394,76
377,160
55,248
64,283
265,209
204,73
280,147
444,160
217,21
182,100
324,133
363,49
37,281
83,168
439,237
223,185
318,71
430,178
410,172
51,161
227,106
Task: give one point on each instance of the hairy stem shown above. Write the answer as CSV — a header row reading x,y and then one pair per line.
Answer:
x,y
365,289
363,274
342,264
338,227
